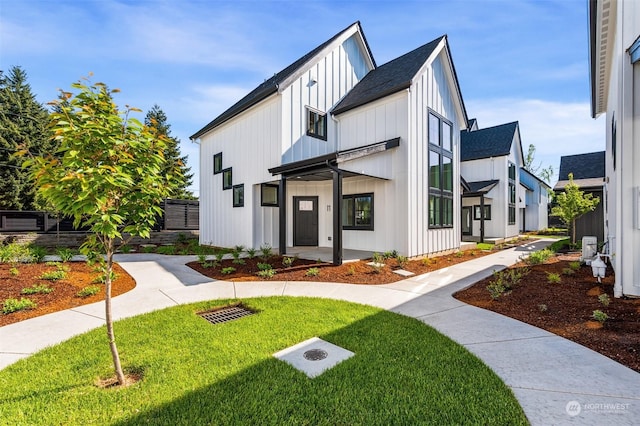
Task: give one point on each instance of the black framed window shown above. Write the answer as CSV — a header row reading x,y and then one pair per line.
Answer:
x,y
269,195
357,212
477,211
512,194
227,179
316,124
440,141
238,195
217,163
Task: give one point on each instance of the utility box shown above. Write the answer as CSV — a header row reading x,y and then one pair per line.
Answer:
x,y
589,248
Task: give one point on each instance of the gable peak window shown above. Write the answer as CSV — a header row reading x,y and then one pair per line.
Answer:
x,y
316,124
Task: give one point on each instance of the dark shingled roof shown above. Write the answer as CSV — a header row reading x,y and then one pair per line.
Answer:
x,y
387,79
583,166
480,187
270,86
490,142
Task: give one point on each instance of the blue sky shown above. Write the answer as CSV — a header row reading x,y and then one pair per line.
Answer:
x,y
515,60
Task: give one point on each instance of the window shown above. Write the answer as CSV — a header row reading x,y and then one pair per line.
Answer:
x,y
217,163
238,195
316,124
477,211
357,212
512,194
440,165
269,195
227,181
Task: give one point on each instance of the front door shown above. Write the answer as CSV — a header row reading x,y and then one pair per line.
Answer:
x,y
467,220
305,221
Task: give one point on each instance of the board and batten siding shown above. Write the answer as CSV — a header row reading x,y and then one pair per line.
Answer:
x,y
320,87
432,89
249,145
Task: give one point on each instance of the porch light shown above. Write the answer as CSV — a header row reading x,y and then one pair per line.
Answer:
x,y
598,267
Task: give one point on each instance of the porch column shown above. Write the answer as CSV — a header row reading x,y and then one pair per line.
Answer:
x,y
337,217
282,207
482,218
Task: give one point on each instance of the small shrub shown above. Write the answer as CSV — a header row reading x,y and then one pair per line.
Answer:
x,y
64,268
53,275
126,248
219,255
459,253
202,258
168,250
287,261
52,263
568,271
14,305
472,253
351,270
239,248
553,278
377,262
182,238
266,273
574,265
496,289
402,261
37,289
485,246
265,249
14,271
65,254
15,253
149,249
604,299
538,257
251,252
37,253
313,272
264,266
89,290
599,316
426,261
543,307
236,257
228,270
559,245
209,264
391,254
100,279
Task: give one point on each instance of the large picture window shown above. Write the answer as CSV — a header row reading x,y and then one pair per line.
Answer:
x,y
316,124
357,212
269,195
440,172
512,194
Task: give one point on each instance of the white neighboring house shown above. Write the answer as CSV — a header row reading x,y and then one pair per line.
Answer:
x,y
536,212
334,151
615,90
494,201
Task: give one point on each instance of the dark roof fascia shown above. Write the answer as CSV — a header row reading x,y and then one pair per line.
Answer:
x,y
465,185
455,76
484,187
271,85
526,186
593,13
484,157
308,164
535,177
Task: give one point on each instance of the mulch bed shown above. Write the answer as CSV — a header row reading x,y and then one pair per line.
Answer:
x,y
565,309
64,294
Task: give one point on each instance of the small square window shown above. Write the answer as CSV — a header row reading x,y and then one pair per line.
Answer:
x,y
227,181
217,163
269,195
357,212
238,195
316,124
487,212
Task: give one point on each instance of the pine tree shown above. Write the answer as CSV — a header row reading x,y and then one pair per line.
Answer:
x,y
23,126
176,164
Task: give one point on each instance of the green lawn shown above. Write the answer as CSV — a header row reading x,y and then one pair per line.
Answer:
x,y
403,372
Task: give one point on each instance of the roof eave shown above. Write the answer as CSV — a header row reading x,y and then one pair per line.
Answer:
x,y
379,95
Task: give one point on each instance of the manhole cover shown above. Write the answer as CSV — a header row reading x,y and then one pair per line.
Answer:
x,y
315,355
225,314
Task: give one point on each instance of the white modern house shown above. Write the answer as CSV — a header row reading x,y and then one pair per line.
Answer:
x,y
493,203
335,151
536,210
615,90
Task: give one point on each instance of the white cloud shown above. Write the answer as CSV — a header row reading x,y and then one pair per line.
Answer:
x,y
554,128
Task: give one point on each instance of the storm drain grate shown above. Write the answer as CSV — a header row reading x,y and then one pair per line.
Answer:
x,y
227,314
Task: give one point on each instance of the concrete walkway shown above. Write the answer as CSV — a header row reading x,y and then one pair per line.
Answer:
x,y
556,381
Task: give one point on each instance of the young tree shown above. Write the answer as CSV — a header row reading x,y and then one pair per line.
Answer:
x,y
107,174
573,203
545,174
23,126
175,163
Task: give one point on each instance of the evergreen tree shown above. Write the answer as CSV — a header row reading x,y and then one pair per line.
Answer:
x,y
23,126
175,165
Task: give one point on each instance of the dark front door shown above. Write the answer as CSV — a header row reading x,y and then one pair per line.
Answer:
x,y
305,221
467,220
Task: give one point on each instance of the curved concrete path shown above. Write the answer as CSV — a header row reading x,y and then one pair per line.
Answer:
x,y
555,380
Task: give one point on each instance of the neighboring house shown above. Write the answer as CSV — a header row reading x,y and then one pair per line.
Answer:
x,y
588,173
334,151
490,161
536,211
614,30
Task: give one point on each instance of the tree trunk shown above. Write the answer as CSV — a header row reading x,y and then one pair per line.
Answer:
x,y
110,334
